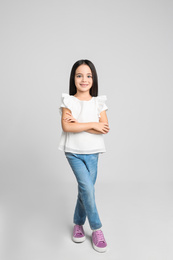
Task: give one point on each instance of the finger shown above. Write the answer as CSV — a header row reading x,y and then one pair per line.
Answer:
x,y
67,119
106,130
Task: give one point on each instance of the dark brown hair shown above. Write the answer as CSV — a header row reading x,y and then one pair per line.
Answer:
x,y
94,88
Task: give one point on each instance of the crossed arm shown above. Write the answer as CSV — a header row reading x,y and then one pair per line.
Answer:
x,y
70,124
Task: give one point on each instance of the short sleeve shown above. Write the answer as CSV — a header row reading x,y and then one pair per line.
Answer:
x,y
101,104
65,102
69,102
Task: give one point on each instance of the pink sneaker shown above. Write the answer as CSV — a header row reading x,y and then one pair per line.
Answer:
x,y
98,241
78,234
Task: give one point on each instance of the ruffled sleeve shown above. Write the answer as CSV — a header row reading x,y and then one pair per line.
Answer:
x,y
65,102
69,102
101,104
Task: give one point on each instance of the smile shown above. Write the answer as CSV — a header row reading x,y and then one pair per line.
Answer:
x,y
84,85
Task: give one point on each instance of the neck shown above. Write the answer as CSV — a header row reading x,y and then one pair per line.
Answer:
x,y
83,95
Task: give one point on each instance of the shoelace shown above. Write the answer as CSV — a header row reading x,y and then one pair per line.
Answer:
x,y
100,236
78,230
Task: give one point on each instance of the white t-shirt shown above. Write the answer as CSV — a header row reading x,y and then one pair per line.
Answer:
x,y
84,112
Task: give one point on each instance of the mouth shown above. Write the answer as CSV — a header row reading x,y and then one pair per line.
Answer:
x,y
84,85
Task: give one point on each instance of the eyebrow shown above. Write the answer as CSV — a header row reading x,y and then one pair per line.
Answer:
x,y
81,73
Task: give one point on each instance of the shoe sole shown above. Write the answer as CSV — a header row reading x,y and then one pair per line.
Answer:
x,y
99,249
78,239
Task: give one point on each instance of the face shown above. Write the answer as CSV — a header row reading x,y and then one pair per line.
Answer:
x,y
83,78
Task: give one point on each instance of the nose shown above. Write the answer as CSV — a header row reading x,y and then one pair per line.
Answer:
x,y
84,78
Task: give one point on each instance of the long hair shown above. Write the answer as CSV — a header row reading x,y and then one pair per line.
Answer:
x,y
94,88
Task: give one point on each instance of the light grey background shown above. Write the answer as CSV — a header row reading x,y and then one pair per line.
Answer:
x,y
130,43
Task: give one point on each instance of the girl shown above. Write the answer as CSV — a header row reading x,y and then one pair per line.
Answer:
x,y
84,121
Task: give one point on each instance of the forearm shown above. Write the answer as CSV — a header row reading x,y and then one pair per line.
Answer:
x,y
92,131
77,127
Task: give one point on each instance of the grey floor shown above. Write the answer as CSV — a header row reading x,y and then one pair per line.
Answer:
x,y
36,222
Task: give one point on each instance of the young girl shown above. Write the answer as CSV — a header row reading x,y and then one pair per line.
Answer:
x,y
84,121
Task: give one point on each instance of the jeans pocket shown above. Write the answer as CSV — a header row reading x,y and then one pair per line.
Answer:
x,y
69,155
94,156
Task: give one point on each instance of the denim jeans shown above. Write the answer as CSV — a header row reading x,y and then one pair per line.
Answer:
x,y
84,167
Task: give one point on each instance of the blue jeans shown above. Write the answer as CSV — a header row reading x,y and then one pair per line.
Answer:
x,y
84,167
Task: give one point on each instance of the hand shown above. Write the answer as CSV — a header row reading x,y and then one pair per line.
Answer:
x,y
70,118
101,127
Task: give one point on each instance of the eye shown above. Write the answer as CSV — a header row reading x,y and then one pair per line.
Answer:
x,y
78,76
89,76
